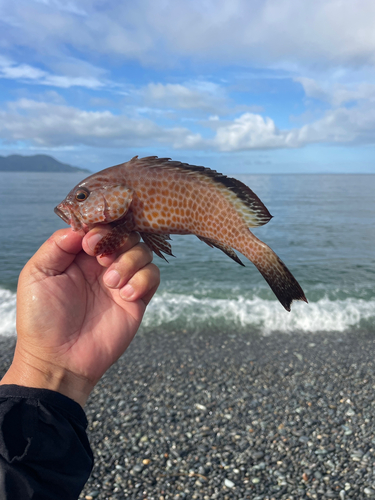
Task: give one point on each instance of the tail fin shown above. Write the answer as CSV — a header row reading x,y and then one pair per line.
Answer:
x,y
274,271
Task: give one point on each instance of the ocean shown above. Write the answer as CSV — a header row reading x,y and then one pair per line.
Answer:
x,y
323,229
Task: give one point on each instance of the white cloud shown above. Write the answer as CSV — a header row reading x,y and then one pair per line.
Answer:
x,y
29,74
249,131
21,71
337,94
338,126
197,99
284,33
70,7
205,96
313,89
327,46
50,125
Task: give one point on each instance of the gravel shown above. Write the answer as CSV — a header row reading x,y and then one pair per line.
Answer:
x,y
229,416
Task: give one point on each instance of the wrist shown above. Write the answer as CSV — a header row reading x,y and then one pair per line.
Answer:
x,y
40,374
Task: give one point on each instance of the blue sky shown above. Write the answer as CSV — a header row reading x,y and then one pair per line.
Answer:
x,y
242,86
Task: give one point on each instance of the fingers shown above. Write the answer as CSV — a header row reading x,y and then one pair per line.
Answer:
x,y
133,274
93,237
129,269
57,253
142,285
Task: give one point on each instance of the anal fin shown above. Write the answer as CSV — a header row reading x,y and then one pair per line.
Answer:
x,y
224,248
158,243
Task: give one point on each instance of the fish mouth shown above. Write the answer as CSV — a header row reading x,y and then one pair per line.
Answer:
x,y
62,214
68,216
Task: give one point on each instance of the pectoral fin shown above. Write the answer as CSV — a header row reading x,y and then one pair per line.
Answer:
x,y
116,237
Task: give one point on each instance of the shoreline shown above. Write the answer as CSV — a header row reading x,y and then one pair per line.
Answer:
x,y
218,415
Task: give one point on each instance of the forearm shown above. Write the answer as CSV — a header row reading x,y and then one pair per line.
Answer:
x,y
44,450
28,371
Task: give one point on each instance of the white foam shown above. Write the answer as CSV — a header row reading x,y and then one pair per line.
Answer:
x,y
7,313
265,315
186,311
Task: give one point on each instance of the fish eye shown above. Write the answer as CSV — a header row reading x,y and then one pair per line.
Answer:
x,y
82,195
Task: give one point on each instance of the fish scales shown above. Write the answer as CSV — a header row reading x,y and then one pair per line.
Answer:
x,y
158,197
171,197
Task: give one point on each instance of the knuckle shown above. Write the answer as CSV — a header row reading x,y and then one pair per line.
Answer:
x,y
146,249
155,271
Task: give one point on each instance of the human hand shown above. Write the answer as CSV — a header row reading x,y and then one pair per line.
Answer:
x,y
71,325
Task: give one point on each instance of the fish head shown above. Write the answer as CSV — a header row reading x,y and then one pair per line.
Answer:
x,y
90,203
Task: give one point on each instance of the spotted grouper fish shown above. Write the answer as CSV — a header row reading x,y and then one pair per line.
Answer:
x,y
158,197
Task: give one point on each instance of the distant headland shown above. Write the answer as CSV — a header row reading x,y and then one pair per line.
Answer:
x,y
35,163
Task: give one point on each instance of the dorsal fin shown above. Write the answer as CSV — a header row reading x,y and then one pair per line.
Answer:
x,y
258,214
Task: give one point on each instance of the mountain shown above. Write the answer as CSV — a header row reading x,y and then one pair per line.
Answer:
x,y
36,163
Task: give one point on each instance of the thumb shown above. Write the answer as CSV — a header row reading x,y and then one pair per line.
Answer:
x,y
57,253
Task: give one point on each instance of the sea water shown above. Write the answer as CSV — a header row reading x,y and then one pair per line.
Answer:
x,y
323,229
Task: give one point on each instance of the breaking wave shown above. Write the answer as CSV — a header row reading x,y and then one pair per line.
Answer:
x,y
7,313
266,316
171,311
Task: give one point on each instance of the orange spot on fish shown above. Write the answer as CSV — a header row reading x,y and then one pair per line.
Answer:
x,y
168,197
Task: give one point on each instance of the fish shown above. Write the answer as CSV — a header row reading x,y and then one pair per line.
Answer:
x,y
158,197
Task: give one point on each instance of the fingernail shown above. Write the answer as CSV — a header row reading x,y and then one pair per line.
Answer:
x,y
94,240
127,291
112,279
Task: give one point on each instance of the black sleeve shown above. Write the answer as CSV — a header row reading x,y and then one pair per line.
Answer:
x,y
44,450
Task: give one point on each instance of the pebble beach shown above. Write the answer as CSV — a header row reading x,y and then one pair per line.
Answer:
x,y
227,416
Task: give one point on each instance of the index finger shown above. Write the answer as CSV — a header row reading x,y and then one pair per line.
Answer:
x,y
57,253
92,238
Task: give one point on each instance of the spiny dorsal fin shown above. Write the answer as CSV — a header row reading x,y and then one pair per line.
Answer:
x,y
258,214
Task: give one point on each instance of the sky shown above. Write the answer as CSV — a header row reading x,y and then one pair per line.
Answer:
x,y
241,86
